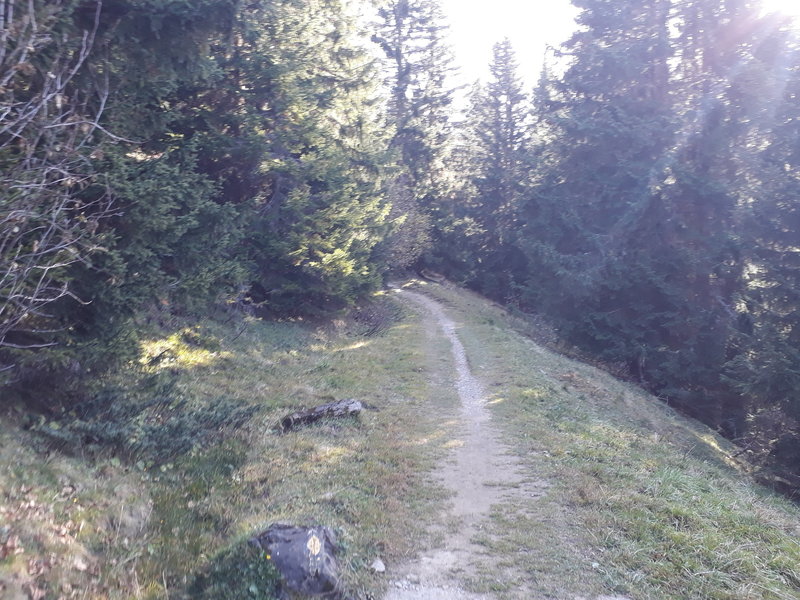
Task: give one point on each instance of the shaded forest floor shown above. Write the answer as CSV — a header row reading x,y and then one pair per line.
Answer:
x,y
610,492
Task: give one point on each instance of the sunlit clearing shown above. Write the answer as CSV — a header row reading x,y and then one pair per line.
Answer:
x,y
355,346
422,441
332,453
533,393
713,443
175,352
785,7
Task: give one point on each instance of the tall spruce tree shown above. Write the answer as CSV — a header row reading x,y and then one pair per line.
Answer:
x,y
498,161
715,100
122,73
170,243
765,368
411,35
604,129
324,211
236,144
633,225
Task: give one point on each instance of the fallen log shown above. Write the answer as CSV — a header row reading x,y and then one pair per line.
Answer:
x,y
339,408
432,276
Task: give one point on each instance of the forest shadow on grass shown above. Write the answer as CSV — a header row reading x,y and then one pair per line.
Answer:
x,y
239,572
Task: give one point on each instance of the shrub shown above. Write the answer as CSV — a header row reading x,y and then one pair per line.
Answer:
x,y
241,572
150,422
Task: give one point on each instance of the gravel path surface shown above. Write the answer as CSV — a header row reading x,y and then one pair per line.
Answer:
x,y
480,472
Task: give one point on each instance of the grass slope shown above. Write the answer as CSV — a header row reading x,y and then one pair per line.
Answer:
x,y
126,526
639,500
659,501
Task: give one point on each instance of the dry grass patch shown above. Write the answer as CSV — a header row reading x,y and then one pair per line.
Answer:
x,y
68,529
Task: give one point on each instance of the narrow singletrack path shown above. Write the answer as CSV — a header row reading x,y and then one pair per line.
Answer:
x,y
480,472
485,479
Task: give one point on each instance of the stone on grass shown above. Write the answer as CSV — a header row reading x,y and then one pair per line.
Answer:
x,y
378,566
304,556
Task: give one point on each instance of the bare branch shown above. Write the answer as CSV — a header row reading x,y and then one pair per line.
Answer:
x,y
27,346
47,130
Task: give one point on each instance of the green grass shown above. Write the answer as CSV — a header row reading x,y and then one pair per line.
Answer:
x,y
632,498
657,506
184,519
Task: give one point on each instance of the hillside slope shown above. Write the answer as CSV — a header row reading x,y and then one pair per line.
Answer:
x,y
642,502
631,500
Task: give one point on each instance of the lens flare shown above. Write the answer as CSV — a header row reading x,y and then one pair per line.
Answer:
x,y
786,7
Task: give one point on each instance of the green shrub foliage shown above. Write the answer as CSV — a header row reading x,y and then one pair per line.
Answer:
x,y
240,572
209,148
150,423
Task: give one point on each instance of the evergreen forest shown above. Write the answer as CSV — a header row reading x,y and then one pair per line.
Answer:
x,y
286,158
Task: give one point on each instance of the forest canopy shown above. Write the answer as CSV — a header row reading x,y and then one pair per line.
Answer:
x,y
165,157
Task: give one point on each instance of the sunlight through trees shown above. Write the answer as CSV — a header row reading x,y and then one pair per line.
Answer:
x,y
169,158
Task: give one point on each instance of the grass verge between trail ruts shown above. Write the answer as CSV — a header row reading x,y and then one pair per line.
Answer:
x,y
658,501
116,525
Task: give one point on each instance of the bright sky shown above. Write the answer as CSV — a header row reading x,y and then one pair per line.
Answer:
x,y
476,25
787,7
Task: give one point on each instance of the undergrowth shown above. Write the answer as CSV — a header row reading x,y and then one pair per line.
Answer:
x,y
149,421
148,487
240,572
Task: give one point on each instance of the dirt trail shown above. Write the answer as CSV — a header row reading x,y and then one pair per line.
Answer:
x,y
480,473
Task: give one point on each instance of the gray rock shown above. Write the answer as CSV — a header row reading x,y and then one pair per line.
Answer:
x,y
305,558
378,566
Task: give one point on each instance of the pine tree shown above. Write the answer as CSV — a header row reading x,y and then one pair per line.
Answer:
x,y
411,35
497,146
701,199
765,368
106,80
630,244
604,130
171,240
632,228
314,236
